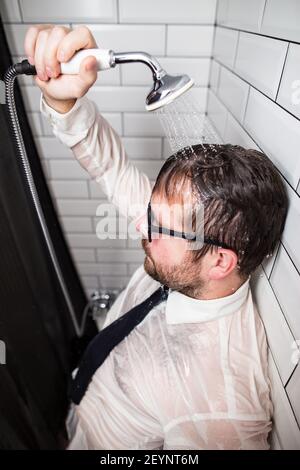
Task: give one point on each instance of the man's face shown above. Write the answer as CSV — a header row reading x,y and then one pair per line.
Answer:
x,y
169,260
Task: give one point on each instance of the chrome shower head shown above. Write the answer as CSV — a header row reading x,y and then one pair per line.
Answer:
x,y
166,88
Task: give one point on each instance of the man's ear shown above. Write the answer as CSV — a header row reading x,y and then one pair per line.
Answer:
x,y
223,262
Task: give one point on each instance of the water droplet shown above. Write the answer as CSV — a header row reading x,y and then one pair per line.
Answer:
x,y
184,124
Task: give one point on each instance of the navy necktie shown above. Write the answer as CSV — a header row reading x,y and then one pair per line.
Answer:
x,y
104,342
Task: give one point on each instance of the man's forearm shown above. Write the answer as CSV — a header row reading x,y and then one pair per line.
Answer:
x,y
99,150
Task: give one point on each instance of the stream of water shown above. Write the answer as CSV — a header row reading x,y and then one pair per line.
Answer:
x,y
184,125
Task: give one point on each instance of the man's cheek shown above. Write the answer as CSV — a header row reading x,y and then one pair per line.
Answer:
x,y
157,250
163,251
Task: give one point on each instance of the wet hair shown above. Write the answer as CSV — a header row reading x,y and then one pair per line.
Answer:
x,y
244,198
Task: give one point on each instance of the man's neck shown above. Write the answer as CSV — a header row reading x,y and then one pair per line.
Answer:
x,y
215,289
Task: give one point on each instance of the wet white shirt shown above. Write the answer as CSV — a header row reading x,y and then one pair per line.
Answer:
x,y
193,374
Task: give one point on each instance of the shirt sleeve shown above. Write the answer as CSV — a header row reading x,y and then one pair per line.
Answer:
x,y
99,150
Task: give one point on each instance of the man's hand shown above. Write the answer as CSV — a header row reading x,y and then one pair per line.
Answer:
x,y
46,46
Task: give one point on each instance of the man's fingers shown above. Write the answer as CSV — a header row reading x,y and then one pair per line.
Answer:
x,y
43,45
52,65
39,56
30,40
79,38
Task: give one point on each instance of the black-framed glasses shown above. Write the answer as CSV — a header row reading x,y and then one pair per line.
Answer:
x,y
175,233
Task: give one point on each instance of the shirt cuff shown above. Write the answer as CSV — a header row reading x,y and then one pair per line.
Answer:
x,y
71,127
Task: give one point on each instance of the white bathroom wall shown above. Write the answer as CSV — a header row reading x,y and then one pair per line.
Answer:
x,y
254,101
180,34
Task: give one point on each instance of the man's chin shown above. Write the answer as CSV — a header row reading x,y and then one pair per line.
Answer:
x,y
150,268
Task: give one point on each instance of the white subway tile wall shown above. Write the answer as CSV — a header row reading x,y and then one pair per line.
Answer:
x,y
289,92
189,40
10,11
121,37
233,92
57,11
233,13
254,101
260,61
285,424
225,46
168,11
250,58
281,19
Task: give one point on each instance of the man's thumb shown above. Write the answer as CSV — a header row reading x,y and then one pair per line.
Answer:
x,y
88,70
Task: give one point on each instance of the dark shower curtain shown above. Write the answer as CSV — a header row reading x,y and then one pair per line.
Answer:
x,y
41,347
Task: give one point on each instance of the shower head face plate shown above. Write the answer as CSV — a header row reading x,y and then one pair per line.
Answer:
x,y
167,89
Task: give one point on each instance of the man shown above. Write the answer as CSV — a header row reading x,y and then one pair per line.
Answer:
x,y
193,373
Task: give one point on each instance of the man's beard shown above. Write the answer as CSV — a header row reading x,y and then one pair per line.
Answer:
x,y
154,271
184,277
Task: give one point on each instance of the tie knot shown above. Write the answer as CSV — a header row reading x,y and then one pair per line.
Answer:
x,y
164,292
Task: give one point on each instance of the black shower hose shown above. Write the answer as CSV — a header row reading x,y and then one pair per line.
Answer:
x,y
12,72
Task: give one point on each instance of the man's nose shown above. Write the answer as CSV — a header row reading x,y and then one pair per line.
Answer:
x,y
142,226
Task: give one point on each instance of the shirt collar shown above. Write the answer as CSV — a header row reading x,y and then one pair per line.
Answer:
x,y
183,309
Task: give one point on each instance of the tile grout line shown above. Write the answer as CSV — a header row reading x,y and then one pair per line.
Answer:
x,y
282,72
259,34
20,11
262,16
118,11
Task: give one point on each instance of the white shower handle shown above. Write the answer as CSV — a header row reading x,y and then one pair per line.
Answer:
x,y
103,57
